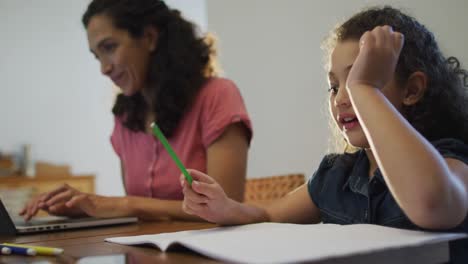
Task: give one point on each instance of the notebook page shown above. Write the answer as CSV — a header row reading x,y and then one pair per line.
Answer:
x,y
279,243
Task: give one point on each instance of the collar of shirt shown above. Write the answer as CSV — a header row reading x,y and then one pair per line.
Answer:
x,y
358,180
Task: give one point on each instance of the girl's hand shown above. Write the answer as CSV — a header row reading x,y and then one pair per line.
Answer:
x,y
375,64
206,199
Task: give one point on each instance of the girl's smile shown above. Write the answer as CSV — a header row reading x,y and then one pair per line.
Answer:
x,y
347,121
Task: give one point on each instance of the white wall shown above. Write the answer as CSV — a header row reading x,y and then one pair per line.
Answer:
x,y
52,94
271,49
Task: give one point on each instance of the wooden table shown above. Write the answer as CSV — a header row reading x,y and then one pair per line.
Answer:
x,y
90,242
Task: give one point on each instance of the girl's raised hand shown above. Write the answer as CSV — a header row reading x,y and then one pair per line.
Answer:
x,y
378,55
206,199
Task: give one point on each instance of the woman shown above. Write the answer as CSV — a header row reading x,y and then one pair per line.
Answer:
x,y
166,74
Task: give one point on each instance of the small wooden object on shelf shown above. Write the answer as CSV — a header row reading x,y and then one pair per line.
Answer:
x,y
7,165
47,170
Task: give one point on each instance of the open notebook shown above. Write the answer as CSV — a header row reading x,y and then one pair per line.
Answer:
x,y
273,242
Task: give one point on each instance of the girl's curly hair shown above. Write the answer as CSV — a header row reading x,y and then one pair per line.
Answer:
x,y
442,112
180,65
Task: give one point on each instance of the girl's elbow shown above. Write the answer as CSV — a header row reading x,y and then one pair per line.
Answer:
x,y
437,224
437,218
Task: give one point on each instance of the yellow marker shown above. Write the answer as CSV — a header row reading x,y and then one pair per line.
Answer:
x,y
39,250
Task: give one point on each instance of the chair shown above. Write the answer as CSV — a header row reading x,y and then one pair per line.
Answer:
x,y
267,189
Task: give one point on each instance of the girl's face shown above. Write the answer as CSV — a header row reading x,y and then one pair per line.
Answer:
x,y
123,59
341,109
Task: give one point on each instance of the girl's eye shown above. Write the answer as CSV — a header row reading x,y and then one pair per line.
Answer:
x,y
333,89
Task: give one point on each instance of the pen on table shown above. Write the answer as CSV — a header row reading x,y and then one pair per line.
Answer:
x,y
5,251
20,250
37,249
158,133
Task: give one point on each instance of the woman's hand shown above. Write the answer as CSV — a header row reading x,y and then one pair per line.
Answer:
x,y
54,203
206,199
378,55
68,201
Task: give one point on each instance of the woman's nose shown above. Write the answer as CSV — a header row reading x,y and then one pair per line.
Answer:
x,y
106,68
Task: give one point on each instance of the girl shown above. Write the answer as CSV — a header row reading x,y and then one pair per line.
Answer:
x,y
398,102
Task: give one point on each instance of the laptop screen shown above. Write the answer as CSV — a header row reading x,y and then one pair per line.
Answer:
x,y
7,227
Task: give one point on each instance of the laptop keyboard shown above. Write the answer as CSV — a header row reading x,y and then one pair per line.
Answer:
x,y
51,221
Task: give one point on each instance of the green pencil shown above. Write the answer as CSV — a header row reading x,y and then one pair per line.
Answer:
x,y
158,133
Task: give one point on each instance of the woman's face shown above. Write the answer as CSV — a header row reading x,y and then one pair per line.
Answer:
x,y
123,59
341,109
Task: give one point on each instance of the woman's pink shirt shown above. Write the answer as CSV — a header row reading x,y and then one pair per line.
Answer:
x,y
149,170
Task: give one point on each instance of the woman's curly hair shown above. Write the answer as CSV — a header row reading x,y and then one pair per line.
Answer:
x,y
442,112
180,65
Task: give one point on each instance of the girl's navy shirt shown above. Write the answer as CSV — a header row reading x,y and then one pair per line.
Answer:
x,y
341,189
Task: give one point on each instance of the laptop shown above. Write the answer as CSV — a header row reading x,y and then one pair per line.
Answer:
x,y
8,226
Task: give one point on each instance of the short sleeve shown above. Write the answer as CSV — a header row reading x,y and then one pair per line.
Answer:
x,y
452,148
317,181
314,186
222,105
116,137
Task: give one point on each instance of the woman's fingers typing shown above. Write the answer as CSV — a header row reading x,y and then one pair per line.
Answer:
x,y
31,209
52,202
57,209
45,197
83,203
62,197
